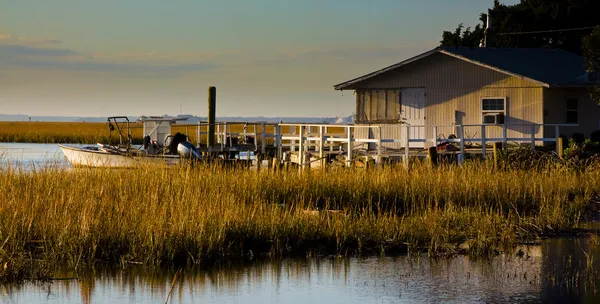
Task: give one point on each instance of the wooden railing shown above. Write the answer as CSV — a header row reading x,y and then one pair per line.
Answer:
x,y
320,139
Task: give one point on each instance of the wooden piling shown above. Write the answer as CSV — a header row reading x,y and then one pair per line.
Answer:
x,y
559,147
497,148
212,104
433,156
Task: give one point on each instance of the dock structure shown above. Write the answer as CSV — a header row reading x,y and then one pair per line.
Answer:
x,y
315,145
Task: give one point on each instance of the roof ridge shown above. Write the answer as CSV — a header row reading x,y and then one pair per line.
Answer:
x,y
508,48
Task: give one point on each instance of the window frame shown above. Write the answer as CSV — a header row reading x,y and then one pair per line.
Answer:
x,y
567,110
484,112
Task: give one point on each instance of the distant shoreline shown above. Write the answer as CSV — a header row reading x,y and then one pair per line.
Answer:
x,y
191,118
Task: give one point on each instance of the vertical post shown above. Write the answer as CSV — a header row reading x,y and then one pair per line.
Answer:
x,y
212,110
255,138
293,131
504,136
263,140
406,145
228,131
329,143
321,146
497,148
379,147
435,136
279,141
483,143
559,147
461,136
557,136
301,148
432,155
219,134
198,134
532,137
349,155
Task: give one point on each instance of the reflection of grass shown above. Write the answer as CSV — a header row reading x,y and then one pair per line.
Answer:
x,y
159,216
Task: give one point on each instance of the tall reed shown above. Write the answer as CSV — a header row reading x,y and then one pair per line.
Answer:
x,y
189,215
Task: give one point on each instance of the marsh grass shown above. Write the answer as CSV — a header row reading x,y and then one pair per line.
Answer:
x,y
94,132
193,215
61,132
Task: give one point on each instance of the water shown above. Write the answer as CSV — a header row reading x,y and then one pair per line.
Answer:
x,y
554,272
29,155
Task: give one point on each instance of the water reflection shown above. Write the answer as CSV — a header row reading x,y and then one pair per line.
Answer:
x,y
555,272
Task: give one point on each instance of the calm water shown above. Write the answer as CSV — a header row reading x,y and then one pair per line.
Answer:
x,y
29,156
556,271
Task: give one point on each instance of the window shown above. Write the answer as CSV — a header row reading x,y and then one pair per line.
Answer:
x,y
493,110
572,111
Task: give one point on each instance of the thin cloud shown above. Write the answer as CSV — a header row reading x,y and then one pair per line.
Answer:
x,y
26,41
22,50
98,66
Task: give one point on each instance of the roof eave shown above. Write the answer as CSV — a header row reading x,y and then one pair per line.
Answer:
x,y
348,84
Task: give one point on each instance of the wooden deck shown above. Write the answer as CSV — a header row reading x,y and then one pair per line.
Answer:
x,y
313,144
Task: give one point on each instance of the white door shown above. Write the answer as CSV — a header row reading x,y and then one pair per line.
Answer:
x,y
412,113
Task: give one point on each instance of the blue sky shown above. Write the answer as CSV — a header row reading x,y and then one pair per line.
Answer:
x,y
149,57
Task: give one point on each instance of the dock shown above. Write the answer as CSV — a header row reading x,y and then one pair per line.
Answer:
x,y
315,145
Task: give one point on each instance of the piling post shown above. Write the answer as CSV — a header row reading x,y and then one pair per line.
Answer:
x,y
198,135
432,155
461,136
212,110
406,146
559,147
301,148
504,136
263,139
379,147
483,143
532,137
279,141
349,155
321,147
497,149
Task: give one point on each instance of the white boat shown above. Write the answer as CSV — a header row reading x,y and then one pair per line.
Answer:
x,y
98,157
159,146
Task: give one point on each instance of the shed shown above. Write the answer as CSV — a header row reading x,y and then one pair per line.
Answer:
x,y
510,92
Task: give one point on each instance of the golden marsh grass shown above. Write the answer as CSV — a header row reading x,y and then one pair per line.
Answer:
x,y
94,132
158,216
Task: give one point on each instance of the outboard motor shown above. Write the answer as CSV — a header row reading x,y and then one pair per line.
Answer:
x,y
173,144
187,150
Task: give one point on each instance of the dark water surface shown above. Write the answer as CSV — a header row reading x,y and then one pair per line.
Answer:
x,y
556,271
561,270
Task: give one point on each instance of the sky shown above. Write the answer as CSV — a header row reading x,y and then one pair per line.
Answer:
x,y
155,57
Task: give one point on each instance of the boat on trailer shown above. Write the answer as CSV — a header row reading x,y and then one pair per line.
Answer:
x,y
159,146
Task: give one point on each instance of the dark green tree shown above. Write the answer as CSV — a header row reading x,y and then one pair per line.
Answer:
x,y
591,53
532,16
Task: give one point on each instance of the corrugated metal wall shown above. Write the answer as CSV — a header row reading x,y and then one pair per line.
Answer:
x,y
454,89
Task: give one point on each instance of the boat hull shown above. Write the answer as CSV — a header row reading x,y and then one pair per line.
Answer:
x,y
79,157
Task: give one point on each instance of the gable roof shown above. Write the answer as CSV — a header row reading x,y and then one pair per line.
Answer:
x,y
548,67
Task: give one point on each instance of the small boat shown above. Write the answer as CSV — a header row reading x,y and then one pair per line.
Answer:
x,y
159,146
